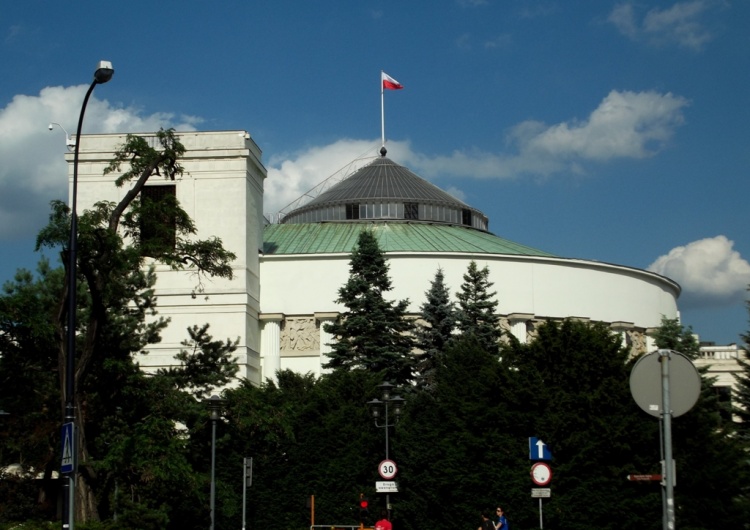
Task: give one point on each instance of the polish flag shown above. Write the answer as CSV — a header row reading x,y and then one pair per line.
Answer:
x,y
389,83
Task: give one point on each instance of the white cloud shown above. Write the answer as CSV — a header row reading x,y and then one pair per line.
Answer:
x,y
680,24
624,125
710,272
34,170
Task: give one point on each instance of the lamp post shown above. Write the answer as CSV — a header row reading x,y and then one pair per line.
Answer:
x,y
215,404
103,73
386,402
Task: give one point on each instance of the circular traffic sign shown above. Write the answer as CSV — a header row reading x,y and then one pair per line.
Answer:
x,y
387,469
541,474
683,378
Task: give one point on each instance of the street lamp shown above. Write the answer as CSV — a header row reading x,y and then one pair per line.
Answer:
x,y
103,73
385,404
215,404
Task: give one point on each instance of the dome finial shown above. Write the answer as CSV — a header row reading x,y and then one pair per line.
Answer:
x,y
383,151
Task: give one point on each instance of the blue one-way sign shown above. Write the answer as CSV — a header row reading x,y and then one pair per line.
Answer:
x,y
538,450
68,448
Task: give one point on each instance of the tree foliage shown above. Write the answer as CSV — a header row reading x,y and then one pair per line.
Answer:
x,y
434,329
126,420
373,333
477,308
672,335
461,447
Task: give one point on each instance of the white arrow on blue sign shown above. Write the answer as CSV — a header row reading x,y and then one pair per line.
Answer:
x,y
68,448
538,450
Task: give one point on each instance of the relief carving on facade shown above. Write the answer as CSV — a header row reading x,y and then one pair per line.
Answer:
x,y
299,334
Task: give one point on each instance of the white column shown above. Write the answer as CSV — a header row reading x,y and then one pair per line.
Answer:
x,y
622,328
325,338
270,345
517,322
650,341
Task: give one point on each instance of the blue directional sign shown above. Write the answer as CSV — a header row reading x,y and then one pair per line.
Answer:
x,y
538,450
68,448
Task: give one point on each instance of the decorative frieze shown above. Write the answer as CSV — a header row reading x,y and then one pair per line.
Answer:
x,y
300,335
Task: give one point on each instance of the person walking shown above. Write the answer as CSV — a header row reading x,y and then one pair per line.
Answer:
x,y
501,522
487,523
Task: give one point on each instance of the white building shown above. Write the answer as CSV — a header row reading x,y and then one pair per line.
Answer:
x,y
287,275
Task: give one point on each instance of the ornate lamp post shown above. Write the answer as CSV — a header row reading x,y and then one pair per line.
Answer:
x,y
103,73
385,404
215,405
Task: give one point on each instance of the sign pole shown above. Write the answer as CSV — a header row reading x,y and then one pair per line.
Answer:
x,y
541,522
664,356
244,492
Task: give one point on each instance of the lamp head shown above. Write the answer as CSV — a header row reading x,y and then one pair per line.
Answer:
x,y
104,72
375,405
215,405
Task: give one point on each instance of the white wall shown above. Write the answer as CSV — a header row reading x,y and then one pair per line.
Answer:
x,y
222,190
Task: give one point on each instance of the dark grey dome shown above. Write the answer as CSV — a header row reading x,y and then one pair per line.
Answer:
x,y
386,190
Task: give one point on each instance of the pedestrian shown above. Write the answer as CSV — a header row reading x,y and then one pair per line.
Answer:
x,y
487,523
501,522
383,523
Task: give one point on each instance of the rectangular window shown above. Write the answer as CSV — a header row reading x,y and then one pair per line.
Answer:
x,y
352,211
411,210
466,217
157,219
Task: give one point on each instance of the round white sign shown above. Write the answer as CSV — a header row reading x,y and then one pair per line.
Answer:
x,y
387,469
541,474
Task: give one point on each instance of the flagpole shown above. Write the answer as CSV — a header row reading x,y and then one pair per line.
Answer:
x,y
382,110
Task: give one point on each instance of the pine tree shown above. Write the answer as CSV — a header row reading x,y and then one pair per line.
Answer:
x,y
741,394
476,308
373,334
438,321
671,335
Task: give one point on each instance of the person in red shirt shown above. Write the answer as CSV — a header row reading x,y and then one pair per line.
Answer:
x,y
383,523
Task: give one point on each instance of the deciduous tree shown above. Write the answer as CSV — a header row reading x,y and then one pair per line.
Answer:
x,y
117,288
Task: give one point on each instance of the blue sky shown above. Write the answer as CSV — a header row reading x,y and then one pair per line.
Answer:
x,y
609,131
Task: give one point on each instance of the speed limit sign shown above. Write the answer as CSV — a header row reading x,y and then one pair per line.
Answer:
x,y
387,469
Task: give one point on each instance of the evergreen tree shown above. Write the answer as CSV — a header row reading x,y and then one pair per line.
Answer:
x,y
455,444
741,411
671,335
476,308
373,334
569,387
741,394
435,329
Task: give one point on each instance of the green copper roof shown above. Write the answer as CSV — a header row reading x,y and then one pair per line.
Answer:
x,y
326,238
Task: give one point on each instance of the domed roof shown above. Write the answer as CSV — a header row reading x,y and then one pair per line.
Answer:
x,y
384,190
341,238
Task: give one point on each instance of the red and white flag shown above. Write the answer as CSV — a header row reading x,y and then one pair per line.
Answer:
x,y
389,83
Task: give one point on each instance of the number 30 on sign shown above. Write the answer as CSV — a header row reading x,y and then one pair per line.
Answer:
x,y
387,469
